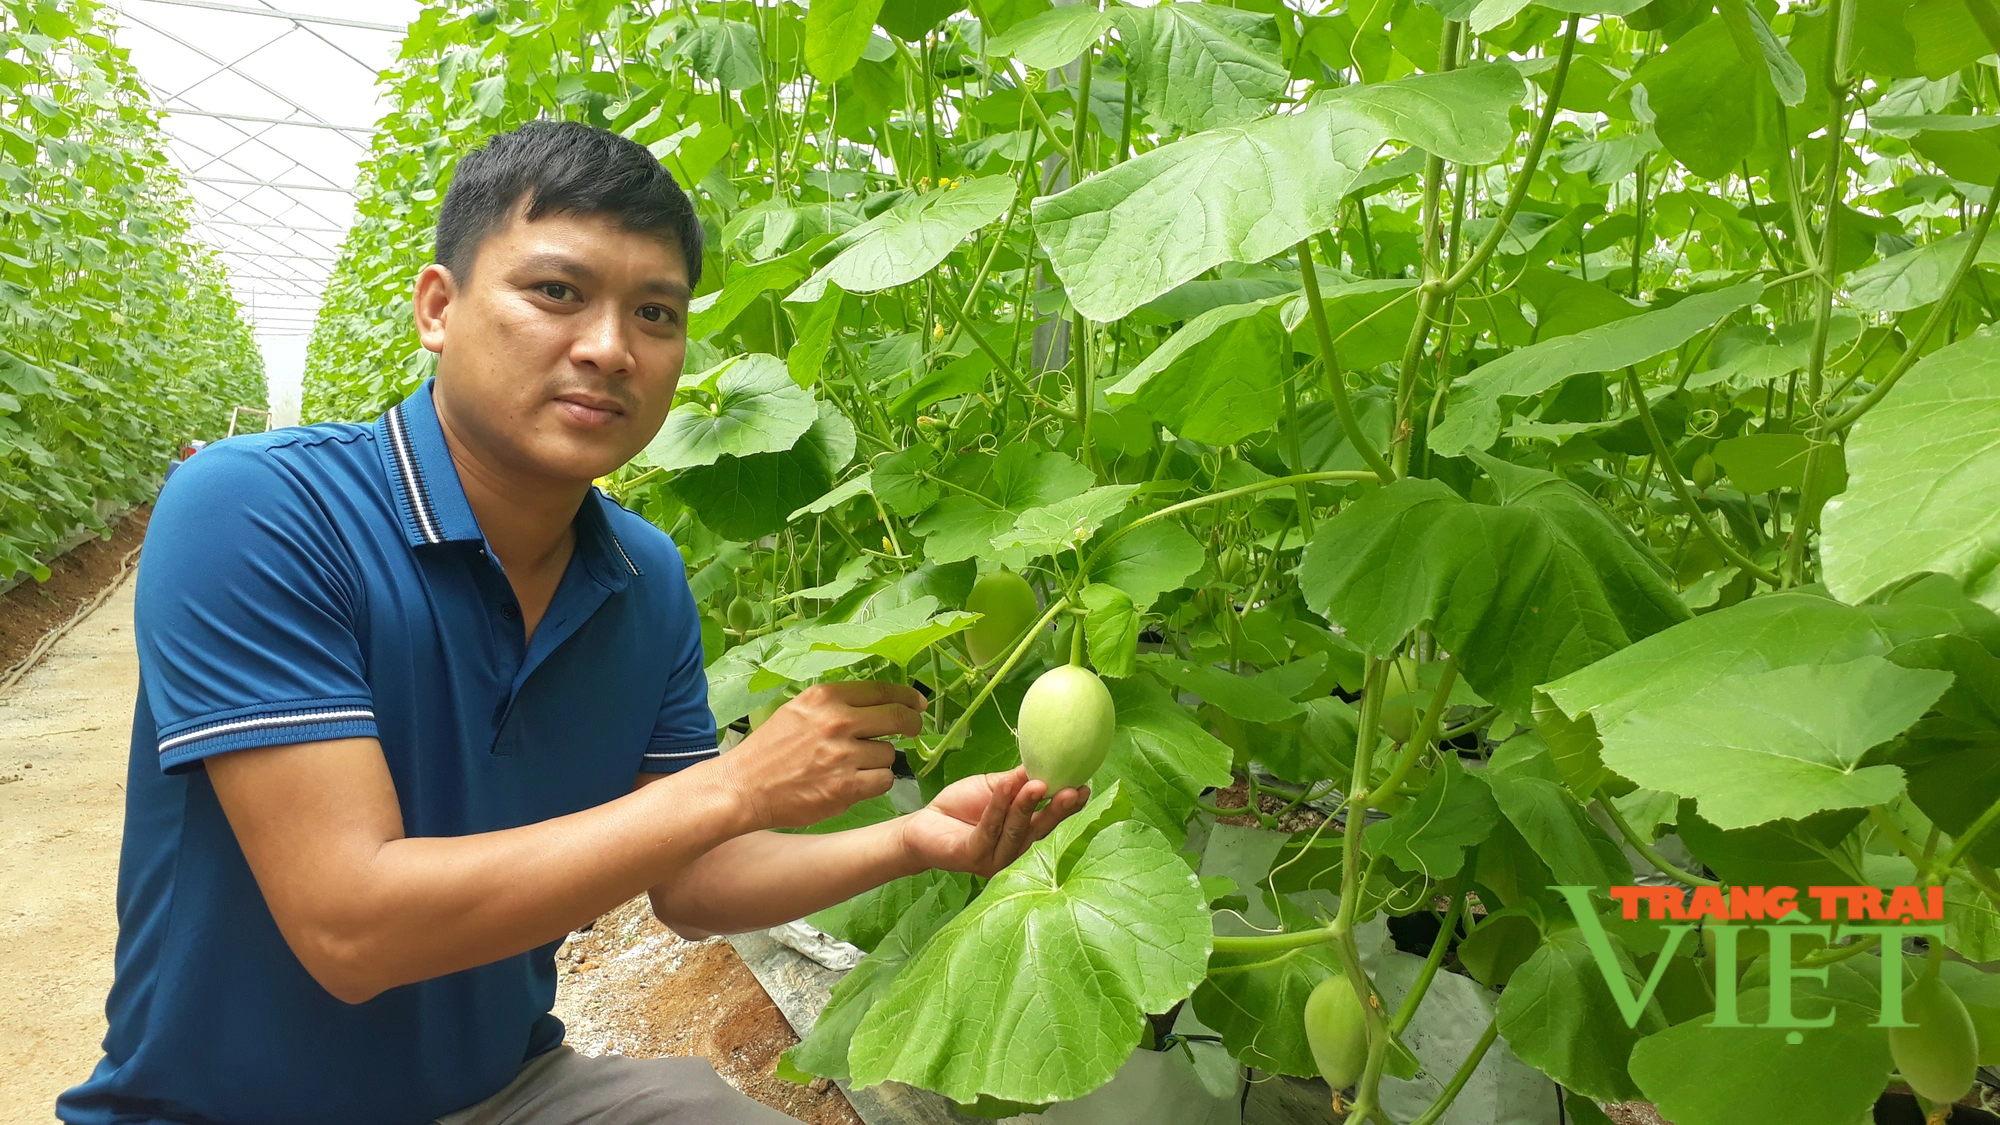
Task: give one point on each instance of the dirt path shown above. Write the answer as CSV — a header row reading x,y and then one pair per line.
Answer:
x,y
64,730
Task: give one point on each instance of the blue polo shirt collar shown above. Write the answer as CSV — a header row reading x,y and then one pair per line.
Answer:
x,y
432,502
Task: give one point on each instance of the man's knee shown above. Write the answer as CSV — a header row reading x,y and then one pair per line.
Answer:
x,y
688,1091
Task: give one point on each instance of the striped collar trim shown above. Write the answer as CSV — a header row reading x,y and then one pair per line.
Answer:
x,y
434,508
411,475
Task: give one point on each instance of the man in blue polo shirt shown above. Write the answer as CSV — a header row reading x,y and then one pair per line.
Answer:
x,y
416,701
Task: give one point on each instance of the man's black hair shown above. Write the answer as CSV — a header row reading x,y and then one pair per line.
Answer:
x,y
562,167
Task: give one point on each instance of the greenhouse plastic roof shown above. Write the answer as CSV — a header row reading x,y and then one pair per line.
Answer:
x,y
268,108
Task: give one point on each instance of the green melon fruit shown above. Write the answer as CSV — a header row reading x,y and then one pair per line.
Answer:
x,y
1400,714
1703,473
1939,1057
1979,991
1402,677
1231,567
1067,720
1337,1031
742,615
1008,606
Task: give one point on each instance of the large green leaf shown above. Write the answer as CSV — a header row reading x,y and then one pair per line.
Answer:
x,y
1703,1075
1037,992
1216,380
1521,592
897,635
1452,812
1558,1014
1052,39
1242,194
1757,746
824,1050
726,51
1160,758
1704,93
836,35
1778,630
1368,320
1472,421
867,919
743,498
1202,65
1530,791
752,407
1262,698
957,528
1065,524
1460,115
1148,562
1914,278
908,241
1136,230
1923,471
716,311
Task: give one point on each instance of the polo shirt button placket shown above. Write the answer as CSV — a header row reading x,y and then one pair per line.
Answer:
x,y
511,612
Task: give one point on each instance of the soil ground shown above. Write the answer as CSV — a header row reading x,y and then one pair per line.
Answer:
x,y
30,610
629,985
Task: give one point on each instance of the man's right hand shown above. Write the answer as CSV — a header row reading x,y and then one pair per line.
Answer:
x,y
821,753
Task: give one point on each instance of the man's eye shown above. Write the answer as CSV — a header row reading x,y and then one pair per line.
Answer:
x,y
555,290
656,314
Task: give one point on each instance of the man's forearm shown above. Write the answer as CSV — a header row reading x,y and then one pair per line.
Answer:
x,y
767,878
369,916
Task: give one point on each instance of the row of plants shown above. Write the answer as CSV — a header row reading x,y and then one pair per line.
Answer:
x,y
119,338
1521,445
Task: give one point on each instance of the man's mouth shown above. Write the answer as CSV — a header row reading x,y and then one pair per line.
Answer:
x,y
590,410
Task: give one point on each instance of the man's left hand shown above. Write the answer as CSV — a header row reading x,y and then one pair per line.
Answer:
x,y
982,823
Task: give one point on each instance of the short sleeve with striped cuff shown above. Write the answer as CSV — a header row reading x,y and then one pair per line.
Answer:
x,y
246,611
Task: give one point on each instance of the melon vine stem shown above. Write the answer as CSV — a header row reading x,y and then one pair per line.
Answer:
x,y
1971,835
1407,1010
986,691
1420,739
1647,850
1519,194
1277,943
1352,884
1342,405
1457,1084
1936,317
1218,497
1680,486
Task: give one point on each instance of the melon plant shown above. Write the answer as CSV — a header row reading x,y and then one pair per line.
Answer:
x,y
1618,378
119,338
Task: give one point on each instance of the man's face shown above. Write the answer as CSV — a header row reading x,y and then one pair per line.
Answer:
x,y
558,356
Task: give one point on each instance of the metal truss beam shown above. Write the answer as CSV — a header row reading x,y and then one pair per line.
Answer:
x,y
368,129
273,13
271,184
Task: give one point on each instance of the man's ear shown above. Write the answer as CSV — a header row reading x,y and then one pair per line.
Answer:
x,y
435,292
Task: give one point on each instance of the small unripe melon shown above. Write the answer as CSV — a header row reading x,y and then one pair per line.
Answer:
x,y
1067,720
1007,606
1337,1031
1939,1057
